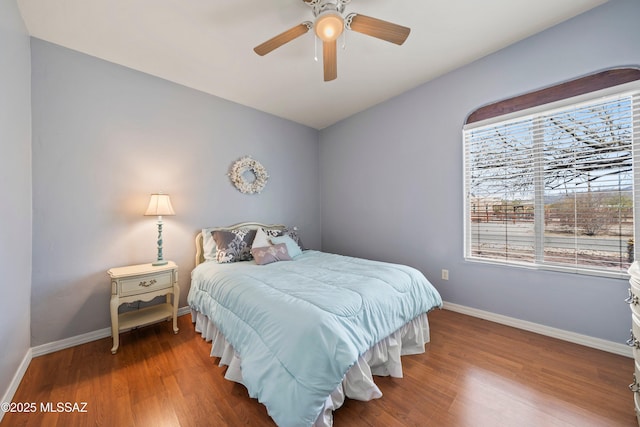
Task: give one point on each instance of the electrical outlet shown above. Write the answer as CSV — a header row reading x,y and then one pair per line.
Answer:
x,y
445,274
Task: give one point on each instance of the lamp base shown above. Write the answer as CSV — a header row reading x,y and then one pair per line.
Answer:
x,y
160,263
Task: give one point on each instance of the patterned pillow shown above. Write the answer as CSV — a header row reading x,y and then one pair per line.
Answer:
x,y
273,232
233,246
269,254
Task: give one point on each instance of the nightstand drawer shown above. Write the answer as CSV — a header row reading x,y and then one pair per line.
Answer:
x,y
144,284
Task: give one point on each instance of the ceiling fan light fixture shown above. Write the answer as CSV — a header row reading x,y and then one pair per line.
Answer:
x,y
329,25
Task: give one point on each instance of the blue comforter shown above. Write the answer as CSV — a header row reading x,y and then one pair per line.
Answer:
x,y
299,325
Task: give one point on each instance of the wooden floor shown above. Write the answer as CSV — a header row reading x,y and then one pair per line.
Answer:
x,y
474,373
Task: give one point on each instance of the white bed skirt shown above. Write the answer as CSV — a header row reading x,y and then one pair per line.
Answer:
x,y
383,359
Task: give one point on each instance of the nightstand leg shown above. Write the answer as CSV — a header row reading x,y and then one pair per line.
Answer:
x,y
115,333
176,299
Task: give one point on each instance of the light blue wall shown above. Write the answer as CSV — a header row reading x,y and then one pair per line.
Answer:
x,y
15,188
104,138
392,178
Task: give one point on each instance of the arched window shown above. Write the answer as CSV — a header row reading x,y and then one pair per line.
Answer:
x,y
549,176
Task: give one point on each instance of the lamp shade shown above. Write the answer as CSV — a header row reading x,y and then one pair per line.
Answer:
x,y
329,25
159,205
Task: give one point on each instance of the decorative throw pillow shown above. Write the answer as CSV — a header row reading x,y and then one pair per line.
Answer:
x,y
273,232
292,247
261,239
269,254
293,233
233,246
267,233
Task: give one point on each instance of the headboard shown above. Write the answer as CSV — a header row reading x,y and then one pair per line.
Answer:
x,y
253,225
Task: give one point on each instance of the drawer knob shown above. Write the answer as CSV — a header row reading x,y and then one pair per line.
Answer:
x,y
632,341
631,299
635,387
144,284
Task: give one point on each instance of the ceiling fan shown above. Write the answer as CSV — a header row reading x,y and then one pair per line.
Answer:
x,y
329,23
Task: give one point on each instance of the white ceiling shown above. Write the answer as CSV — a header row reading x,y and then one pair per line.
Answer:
x,y
208,45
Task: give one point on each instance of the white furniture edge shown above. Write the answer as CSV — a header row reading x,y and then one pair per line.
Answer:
x,y
597,343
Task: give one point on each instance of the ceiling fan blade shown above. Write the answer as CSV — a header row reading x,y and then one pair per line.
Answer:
x,y
282,38
330,60
378,28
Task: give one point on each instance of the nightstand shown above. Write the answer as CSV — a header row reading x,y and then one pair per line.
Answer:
x,y
143,282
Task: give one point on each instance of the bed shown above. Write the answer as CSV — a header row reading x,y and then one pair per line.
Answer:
x,y
304,330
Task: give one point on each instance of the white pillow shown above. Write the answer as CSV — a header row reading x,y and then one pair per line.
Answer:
x,y
261,240
208,245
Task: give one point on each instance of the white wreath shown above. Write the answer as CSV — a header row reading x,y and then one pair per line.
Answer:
x,y
244,165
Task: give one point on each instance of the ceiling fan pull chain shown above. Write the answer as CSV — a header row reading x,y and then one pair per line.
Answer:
x,y
315,48
344,40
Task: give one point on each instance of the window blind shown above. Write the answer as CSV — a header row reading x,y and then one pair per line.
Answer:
x,y
555,187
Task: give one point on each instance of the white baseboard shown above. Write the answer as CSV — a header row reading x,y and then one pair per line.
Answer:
x,y
597,343
51,347
54,346
17,378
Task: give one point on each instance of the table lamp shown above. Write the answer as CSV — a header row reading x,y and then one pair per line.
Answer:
x,y
159,205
